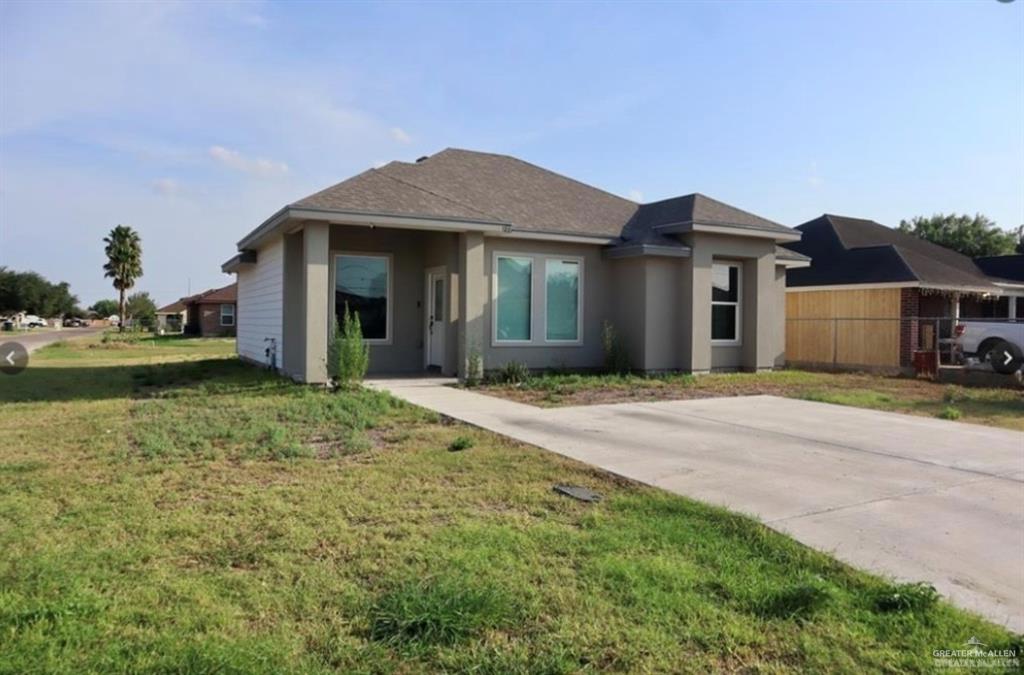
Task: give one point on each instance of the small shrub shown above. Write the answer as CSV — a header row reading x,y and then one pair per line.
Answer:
x,y
914,597
474,369
514,372
348,356
437,612
616,358
460,443
950,413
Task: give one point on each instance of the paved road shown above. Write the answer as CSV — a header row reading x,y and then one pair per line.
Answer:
x,y
912,498
37,338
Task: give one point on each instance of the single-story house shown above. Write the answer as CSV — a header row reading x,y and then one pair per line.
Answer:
x,y
873,295
467,256
212,313
172,318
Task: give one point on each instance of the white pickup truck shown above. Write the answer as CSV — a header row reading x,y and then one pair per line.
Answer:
x,y
1000,343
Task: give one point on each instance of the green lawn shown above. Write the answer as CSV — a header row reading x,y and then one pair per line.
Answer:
x,y
165,508
1001,407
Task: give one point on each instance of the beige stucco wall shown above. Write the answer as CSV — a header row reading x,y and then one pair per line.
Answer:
x,y
629,317
660,306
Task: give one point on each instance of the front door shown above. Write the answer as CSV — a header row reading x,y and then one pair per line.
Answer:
x,y
436,285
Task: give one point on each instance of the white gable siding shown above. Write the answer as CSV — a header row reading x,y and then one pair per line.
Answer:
x,y
260,312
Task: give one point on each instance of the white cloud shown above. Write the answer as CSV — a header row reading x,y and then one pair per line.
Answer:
x,y
635,195
399,134
168,187
239,162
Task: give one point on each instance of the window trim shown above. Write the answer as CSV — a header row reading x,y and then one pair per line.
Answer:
x,y
495,340
333,290
579,300
738,305
222,314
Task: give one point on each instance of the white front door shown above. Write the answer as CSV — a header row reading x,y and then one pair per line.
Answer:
x,y
436,287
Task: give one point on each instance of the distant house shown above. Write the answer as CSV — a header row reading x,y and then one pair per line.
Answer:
x,y
212,313
172,318
872,295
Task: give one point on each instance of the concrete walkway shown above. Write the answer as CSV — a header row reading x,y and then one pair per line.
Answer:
x,y
909,497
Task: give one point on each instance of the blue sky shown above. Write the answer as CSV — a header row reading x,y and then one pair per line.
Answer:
x,y
192,122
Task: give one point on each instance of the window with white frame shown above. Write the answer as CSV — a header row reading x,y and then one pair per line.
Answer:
x,y
562,300
227,315
363,284
725,303
513,310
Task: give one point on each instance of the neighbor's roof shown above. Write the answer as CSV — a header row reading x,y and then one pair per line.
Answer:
x,y
176,307
506,192
227,294
1009,267
857,251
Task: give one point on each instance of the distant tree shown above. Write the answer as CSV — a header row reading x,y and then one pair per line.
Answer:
x,y
1020,239
30,292
141,309
972,236
124,262
104,308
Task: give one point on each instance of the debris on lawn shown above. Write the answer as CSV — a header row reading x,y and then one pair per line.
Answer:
x,y
576,492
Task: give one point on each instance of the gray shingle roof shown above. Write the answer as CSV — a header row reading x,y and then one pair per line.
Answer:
x,y
465,184
691,209
497,188
858,251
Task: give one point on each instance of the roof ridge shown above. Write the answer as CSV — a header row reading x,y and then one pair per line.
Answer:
x,y
736,208
545,170
906,263
436,194
669,199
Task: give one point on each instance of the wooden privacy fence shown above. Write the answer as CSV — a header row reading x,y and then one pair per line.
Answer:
x,y
855,327
845,342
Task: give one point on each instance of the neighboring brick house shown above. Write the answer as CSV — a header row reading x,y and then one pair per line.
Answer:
x,y
873,295
212,313
172,318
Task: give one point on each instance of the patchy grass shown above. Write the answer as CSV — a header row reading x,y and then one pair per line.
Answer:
x,y
980,405
166,509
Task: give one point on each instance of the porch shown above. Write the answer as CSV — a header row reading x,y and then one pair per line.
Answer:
x,y
407,286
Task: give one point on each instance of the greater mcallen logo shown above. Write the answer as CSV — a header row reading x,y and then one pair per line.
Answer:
x,y
974,655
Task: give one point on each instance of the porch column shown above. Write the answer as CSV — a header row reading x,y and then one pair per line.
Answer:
x,y
316,300
758,329
696,342
472,295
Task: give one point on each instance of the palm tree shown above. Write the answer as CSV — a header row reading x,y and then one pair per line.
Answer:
x,y
124,262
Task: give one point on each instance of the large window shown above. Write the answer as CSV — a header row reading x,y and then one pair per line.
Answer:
x,y
363,283
725,303
562,297
227,315
514,299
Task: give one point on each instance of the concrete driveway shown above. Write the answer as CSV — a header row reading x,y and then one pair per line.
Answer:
x,y
908,497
